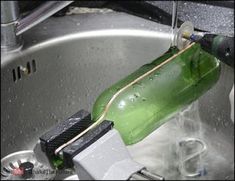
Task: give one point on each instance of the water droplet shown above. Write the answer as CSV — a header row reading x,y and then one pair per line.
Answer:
x,y
136,95
156,74
143,99
132,99
121,104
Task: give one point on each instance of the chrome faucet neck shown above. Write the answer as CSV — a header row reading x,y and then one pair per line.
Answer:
x,y
9,21
12,26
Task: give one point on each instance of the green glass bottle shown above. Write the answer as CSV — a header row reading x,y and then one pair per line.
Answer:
x,y
148,103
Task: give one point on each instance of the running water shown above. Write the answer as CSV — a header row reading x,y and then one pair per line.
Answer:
x,y
174,15
181,150
174,20
162,151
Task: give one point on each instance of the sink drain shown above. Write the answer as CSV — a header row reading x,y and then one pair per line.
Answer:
x,y
23,165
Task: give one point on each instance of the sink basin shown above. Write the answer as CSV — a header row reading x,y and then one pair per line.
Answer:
x,y
72,59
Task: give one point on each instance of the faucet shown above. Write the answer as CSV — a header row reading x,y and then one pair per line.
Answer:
x,y
12,25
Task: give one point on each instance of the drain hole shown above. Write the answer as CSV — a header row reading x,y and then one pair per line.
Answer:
x,y
14,75
2,174
34,65
6,170
28,67
18,73
24,70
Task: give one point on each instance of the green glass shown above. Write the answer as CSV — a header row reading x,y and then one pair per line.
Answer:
x,y
58,162
147,104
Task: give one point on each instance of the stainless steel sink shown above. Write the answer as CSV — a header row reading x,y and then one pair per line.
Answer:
x,y
72,59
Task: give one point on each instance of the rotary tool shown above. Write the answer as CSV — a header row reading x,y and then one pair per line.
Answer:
x,y
222,47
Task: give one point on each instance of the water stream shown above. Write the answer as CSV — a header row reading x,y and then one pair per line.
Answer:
x,y
174,19
172,150
169,148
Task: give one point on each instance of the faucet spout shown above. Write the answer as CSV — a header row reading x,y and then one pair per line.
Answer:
x,y
12,26
40,14
9,20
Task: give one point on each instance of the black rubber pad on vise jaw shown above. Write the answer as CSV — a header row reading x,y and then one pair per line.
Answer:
x,y
64,131
86,140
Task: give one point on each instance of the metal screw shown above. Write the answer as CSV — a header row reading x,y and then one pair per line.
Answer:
x,y
24,70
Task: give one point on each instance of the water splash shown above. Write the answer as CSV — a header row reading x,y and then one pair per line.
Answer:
x,y
162,152
174,20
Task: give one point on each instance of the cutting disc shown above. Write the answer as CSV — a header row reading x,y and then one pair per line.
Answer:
x,y
185,28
